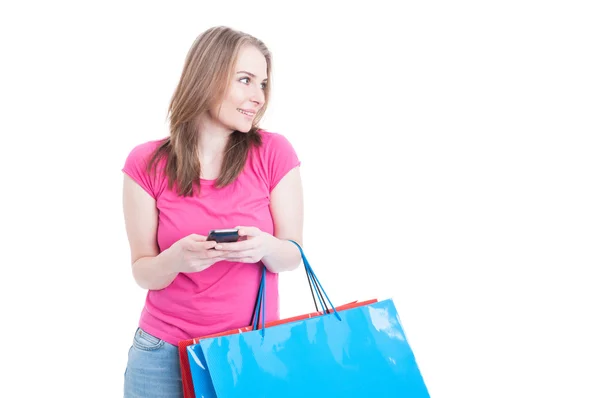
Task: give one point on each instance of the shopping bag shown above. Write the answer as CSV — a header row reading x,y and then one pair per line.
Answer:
x,y
197,378
203,387
355,352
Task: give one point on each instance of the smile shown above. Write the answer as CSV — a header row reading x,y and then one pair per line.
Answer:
x,y
251,114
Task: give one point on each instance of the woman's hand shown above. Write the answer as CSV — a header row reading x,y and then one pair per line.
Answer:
x,y
194,254
251,248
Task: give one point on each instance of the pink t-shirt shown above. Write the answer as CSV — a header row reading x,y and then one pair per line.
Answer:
x,y
223,296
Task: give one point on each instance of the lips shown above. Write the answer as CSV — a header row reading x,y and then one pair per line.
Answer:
x,y
247,112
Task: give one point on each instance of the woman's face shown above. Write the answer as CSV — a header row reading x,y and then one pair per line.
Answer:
x,y
245,96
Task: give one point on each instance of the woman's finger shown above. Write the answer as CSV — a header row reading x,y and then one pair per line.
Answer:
x,y
241,254
236,246
248,231
200,246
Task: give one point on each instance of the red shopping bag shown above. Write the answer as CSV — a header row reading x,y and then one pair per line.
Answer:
x,y
186,377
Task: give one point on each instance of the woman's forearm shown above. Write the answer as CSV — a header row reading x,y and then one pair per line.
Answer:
x,y
154,273
284,256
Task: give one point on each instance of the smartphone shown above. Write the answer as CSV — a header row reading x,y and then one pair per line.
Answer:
x,y
223,235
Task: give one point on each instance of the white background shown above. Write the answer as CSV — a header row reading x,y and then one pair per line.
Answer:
x,y
450,162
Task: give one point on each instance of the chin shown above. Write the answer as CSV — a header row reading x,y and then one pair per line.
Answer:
x,y
244,128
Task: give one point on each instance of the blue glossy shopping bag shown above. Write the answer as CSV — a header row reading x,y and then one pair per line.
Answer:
x,y
358,352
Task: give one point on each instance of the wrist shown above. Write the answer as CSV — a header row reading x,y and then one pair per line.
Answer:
x,y
170,260
283,256
273,244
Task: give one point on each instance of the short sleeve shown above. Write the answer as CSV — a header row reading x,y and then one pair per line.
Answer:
x,y
281,158
136,165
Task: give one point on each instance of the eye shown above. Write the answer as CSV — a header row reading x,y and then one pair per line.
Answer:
x,y
246,80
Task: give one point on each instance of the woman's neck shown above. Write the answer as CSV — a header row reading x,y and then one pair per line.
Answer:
x,y
212,141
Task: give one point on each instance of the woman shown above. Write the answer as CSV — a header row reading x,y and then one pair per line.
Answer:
x,y
216,169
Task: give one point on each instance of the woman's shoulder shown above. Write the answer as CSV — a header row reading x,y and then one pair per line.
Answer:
x,y
145,149
269,134
139,157
277,157
274,141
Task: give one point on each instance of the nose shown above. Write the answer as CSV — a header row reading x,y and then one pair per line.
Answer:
x,y
258,97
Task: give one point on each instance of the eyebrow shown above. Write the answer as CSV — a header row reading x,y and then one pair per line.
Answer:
x,y
250,74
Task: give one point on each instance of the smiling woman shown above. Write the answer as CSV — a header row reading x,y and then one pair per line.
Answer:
x,y
245,95
217,169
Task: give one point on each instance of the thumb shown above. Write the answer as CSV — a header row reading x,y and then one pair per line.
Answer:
x,y
198,238
248,231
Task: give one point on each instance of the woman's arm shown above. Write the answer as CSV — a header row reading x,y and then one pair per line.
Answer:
x,y
287,209
150,269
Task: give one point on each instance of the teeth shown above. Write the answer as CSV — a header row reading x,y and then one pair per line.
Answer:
x,y
245,113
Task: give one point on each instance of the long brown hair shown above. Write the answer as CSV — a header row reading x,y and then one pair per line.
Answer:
x,y
204,80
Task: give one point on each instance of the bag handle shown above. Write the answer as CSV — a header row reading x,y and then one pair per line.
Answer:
x,y
312,292
260,300
260,306
316,282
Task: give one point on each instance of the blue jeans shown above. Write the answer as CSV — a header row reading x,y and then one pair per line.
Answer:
x,y
152,368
